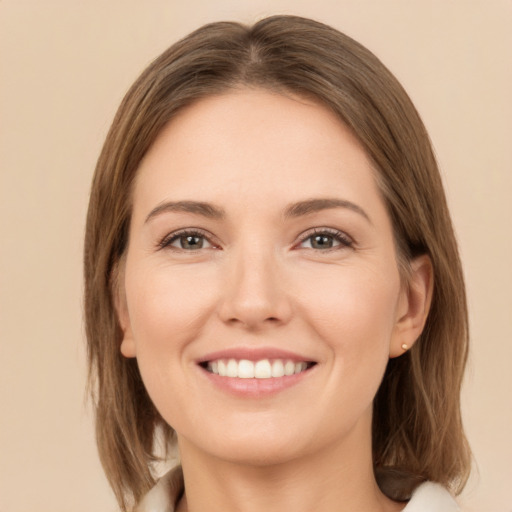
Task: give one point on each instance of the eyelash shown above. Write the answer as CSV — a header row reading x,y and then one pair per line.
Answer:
x,y
344,240
172,237
339,236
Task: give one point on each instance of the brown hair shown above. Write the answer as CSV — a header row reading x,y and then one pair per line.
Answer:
x,y
417,430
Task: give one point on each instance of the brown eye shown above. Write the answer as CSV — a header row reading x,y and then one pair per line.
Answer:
x,y
324,240
187,242
190,242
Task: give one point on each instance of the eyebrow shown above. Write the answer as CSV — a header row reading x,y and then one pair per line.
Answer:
x,y
316,205
196,207
294,210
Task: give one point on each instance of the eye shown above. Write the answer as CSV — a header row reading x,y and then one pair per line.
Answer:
x,y
325,239
190,242
186,241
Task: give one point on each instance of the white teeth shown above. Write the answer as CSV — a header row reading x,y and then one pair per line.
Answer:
x,y
246,369
277,368
300,367
232,368
222,368
289,368
263,369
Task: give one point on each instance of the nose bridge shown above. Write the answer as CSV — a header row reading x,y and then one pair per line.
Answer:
x,y
254,292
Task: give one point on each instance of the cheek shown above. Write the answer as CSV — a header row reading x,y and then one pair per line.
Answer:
x,y
354,312
167,304
168,310
351,301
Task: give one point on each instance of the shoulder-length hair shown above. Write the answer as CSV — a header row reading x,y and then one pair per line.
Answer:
x,y
417,430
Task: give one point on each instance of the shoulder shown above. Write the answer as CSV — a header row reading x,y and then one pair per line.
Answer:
x,y
431,497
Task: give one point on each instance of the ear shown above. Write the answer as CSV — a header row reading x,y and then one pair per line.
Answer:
x,y
413,307
127,347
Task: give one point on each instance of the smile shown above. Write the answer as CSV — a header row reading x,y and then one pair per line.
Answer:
x,y
261,369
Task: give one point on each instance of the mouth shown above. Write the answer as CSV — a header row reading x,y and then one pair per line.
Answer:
x,y
258,369
255,372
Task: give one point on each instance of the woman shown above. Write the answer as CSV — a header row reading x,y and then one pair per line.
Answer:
x,y
272,282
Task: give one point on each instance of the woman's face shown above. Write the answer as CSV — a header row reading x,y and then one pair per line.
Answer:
x,y
261,247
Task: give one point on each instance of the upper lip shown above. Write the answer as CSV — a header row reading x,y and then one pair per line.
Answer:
x,y
254,354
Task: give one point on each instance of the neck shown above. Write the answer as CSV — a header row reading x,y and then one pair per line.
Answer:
x,y
339,478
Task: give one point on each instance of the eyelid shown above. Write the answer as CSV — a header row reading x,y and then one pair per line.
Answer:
x,y
167,240
345,240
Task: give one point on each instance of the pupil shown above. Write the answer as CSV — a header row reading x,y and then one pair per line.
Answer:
x,y
192,242
322,241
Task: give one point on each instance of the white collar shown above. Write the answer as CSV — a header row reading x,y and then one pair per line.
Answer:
x,y
428,497
431,497
165,494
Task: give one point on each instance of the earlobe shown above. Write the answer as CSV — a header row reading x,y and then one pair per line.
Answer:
x,y
127,346
413,307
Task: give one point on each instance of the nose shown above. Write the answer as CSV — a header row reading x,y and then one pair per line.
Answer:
x,y
254,294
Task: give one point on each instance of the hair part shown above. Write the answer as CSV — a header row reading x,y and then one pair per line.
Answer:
x,y
417,429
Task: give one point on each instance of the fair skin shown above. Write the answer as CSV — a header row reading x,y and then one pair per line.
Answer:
x,y
258,235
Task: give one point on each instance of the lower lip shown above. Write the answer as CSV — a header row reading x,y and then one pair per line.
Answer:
x,y
256,388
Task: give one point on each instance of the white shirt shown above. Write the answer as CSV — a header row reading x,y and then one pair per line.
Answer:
x,y
428,497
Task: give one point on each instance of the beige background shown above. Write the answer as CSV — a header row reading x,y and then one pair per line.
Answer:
x,y
64,68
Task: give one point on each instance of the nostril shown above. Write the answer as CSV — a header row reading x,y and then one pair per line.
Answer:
x,y
254,310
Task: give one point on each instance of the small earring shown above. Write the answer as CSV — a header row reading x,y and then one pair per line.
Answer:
x,y
405,347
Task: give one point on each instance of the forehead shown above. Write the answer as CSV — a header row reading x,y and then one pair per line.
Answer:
x,y
251,140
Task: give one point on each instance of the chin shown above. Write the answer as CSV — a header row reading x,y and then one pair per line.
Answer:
x,y
250,446
259,453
